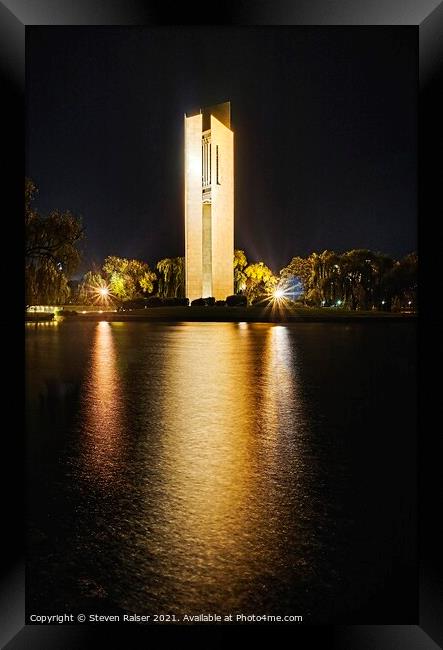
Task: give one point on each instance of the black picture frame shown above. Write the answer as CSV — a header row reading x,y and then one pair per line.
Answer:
x,y
427,17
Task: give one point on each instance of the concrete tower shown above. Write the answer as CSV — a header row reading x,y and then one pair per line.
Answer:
x,y
209,203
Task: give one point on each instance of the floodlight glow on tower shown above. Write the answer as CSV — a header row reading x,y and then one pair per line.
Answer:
x,y
209,203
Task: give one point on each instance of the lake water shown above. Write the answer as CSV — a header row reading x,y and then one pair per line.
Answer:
x,y
222,467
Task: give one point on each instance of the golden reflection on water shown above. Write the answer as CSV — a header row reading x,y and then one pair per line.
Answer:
x,y
201,461
102,407
277,384
202,482
207,435
40,324
280,421
215,509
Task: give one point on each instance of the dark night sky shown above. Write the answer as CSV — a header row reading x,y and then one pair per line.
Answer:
x,y
324,122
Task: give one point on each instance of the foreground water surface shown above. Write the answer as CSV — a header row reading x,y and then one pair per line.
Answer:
x,y
222,467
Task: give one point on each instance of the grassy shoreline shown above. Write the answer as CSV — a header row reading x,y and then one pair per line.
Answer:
x,y
252,314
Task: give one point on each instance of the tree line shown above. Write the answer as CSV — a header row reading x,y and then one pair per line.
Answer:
x,y
131,279
356,279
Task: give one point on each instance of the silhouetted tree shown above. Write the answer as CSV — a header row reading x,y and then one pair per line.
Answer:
x,y
51,251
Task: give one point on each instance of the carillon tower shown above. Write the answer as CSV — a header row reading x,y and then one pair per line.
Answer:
x,y
209,203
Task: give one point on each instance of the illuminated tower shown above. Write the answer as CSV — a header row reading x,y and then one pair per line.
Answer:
x,y
209,203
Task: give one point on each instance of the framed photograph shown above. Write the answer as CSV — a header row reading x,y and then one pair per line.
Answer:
x,y
223,221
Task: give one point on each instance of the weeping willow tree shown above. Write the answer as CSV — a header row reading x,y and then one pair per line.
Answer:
x,y
171,281
51,251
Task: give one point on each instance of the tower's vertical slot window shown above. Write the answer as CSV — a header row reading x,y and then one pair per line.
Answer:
x,y
217,165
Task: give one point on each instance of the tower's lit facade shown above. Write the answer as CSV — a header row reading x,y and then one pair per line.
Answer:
x,y
209,203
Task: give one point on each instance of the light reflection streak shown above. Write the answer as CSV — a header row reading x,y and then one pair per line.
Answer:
x,y
280,447
102,410
292,466
277,384
207,475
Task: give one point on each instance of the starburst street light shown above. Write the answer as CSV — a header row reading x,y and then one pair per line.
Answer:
x,y
281,293
278,299
101,293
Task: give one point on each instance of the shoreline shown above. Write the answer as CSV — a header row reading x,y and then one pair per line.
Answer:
x,y
227,315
